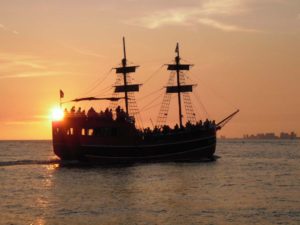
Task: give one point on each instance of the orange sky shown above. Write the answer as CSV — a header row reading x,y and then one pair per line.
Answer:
x,y
246,55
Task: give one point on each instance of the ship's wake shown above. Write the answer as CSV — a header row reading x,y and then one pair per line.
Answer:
x,y
75,163
29,162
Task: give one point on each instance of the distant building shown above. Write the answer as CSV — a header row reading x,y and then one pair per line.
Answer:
x,y
270,136
292,135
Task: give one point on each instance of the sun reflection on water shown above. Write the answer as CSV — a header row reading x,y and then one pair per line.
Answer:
x,y
52,167
39,221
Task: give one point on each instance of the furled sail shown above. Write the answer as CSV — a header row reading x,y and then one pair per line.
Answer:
x,y
94,98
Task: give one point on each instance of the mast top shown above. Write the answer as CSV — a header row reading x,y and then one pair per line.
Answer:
x,y
177,58
178,66
124,69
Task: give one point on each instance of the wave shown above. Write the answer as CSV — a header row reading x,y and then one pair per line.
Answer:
x,y
29,162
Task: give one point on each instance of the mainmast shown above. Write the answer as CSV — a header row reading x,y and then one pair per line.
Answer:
x,y
177,60
179,88
125,70
124,64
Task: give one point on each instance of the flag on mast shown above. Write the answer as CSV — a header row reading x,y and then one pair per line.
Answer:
x,y
177,48
61,93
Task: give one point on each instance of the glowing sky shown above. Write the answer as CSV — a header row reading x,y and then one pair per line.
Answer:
x,y
246,55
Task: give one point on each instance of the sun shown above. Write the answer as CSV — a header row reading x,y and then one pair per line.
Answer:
x,y
57,114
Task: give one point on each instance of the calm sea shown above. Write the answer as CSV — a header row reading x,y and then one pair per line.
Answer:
x,y
252,182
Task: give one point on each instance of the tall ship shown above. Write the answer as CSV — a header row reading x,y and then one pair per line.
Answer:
x,y
112,136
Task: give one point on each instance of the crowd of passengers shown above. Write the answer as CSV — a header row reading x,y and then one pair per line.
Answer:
x,y
107,114
121,115
206,125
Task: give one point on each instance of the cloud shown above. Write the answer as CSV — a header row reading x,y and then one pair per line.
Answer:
x,y
223,7
25,66
158,19
28,60
82,51
21,122
25,120
208,13
87,53
33,74
12,63
33,65
8,30
223,26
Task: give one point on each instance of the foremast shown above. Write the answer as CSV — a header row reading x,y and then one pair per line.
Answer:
x,y
179,88
125,70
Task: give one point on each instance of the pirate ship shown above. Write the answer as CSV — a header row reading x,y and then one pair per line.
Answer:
x,y
113,137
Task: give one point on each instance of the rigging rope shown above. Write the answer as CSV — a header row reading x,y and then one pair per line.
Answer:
x,y
97,83
156,91
212,90
201,104
150,107
153,74
104,91
149,104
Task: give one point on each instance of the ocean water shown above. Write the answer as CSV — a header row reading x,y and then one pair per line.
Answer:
x,y
252,182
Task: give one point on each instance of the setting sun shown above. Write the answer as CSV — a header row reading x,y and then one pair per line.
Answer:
x,y
57,114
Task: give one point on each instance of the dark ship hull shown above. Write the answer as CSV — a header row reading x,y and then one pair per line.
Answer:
x,y
186,145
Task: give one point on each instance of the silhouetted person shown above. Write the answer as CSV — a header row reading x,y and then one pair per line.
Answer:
x,y
206,124
78,113
92,113
108,114
66,113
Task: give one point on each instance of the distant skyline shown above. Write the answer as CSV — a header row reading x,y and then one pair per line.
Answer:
x,y
246,55
271,135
